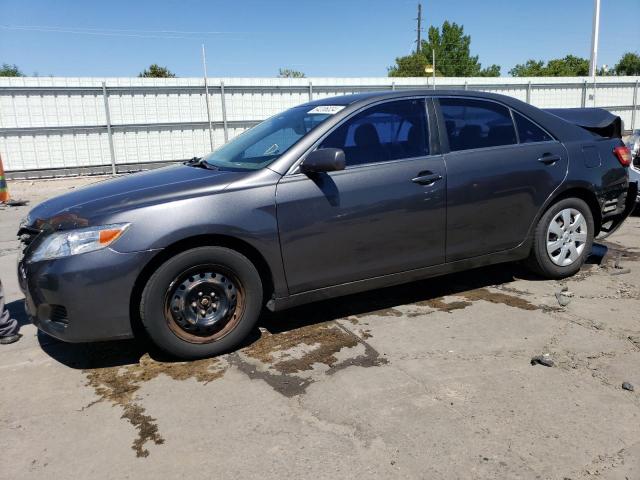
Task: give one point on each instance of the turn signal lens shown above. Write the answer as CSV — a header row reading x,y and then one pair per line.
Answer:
x,y
624,155
105,237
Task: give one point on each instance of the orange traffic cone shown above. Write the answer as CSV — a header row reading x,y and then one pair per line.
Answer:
x,y
4,190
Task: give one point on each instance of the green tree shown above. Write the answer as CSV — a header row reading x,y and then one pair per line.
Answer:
x,y
569,66
7,70
629,64
533,68
453,56
409,66
289,73
492,71
156,71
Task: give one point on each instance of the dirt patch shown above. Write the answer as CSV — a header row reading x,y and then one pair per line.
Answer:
x,y
294,351
325,339
385,312
365,334
118,385
499,298
441,305
620,253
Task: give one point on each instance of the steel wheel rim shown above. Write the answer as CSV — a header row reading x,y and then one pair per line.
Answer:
x,y
203,304
566,237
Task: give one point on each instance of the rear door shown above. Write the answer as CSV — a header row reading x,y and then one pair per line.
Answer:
x,y
385,213
501,167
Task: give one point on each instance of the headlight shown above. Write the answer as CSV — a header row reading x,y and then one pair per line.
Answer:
x,y
74,242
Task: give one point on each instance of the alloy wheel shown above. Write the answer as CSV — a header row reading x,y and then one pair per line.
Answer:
x,y
566,237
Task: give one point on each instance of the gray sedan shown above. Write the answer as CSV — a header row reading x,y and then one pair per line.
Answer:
x,y
326,199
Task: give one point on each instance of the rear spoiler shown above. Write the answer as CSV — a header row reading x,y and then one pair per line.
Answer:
x,y
596,120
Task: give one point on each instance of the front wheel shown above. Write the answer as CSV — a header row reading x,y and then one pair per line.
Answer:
x,y
562,239
202,302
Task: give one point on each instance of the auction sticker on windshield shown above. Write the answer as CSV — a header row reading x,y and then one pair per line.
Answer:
x,y
326,109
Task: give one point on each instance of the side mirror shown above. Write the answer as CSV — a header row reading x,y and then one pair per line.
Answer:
x,y
323,160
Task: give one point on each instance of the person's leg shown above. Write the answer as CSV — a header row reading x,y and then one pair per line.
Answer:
x,y
8,326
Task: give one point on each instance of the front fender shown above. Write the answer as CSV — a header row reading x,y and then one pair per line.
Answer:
x,y
247,214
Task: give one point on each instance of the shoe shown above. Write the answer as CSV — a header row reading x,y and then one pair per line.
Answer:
x,y
10,339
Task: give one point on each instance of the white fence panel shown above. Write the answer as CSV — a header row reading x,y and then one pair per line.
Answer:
x,y
56,126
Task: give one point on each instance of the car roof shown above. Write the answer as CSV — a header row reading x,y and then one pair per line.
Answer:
x,y
372,96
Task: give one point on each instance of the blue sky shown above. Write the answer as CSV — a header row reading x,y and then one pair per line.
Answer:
x,y
321,38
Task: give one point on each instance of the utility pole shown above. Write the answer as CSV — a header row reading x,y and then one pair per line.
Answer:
x,y
593,64
419,30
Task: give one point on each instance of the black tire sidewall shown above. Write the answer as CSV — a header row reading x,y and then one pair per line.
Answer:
x,y
154,294
542,263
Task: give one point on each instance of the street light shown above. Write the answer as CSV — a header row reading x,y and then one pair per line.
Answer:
x,y
593,64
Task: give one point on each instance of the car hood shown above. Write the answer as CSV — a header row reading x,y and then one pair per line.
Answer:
x,y
88,205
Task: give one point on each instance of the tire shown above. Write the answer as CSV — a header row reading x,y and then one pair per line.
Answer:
x,y
560,262
202,302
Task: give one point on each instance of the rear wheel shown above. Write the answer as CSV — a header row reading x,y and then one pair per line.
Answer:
x,y
562,239
202,302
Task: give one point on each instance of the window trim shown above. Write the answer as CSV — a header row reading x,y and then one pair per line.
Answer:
x,y
444,137
294,168
553,138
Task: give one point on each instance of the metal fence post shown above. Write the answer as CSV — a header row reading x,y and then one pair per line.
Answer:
x,y
529,92
107,114
206,96
393,85
466,85
635,106
224,113
310,91
583,102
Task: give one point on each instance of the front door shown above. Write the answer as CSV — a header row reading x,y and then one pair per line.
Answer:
x,y
385,213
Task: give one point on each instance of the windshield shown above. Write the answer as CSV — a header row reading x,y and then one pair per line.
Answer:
x,y
264,143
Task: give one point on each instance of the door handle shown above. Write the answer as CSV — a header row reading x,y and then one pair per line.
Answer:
x,y
549,159
426,178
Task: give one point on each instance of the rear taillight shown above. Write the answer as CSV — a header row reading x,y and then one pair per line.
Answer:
x,y
624,155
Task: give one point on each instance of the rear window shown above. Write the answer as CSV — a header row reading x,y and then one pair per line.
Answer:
x,y
528,131
472,123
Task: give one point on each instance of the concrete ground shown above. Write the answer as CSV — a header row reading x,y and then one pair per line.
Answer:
x,y
431,380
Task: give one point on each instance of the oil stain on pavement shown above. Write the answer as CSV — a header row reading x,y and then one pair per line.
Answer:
x,y
276,358
119,384
280,358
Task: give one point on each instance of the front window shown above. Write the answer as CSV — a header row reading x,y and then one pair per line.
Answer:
x,y
388,131
263,144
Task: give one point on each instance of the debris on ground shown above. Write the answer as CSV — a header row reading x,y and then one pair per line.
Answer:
x,y
564,296
15,203
542,360
616,263
618,269
621,271
627,386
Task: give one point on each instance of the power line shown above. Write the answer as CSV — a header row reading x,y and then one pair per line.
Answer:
x,y
169,34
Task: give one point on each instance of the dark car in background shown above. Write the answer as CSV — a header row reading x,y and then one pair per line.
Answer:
x,y
329,198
